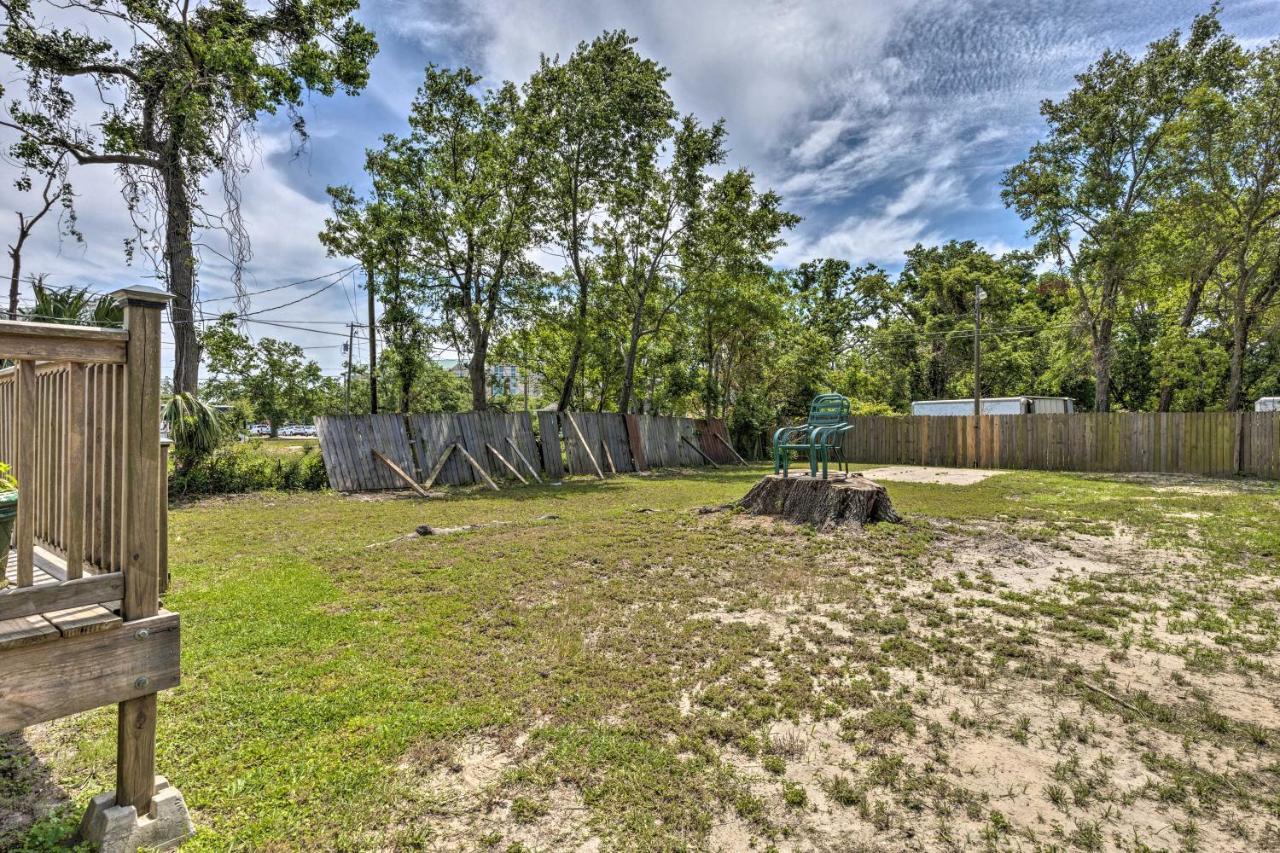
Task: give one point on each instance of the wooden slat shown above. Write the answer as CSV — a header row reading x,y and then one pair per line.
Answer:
x,y
582,443
549,428
74,467
506,463
435,470
479,469
533,472
25,468
635,441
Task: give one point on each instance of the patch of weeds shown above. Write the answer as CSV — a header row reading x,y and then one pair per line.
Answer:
x,y
881,723
843,791
794,795
526,810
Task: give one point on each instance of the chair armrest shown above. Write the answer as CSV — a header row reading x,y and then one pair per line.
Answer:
x,y
782,435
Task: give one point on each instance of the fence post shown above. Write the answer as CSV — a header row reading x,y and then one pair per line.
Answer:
x,y
140,533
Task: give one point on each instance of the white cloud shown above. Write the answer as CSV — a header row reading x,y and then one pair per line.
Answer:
x,y
881,123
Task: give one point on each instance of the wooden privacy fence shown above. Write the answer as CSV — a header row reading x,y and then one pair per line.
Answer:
x,y
1208,443
80,618
370,452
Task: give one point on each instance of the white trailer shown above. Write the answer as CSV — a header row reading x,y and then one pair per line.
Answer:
x,y
996,406
1267,404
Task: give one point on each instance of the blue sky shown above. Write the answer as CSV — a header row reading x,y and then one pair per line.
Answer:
x,y
883,124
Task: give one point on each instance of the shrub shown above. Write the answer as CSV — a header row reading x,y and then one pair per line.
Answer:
x,y
246,467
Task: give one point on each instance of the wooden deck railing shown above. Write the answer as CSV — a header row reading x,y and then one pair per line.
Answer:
x,y
80,622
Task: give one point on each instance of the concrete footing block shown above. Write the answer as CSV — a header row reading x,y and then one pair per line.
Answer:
x,y
119,829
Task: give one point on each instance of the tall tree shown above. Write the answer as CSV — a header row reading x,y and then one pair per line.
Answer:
x,y
467,176
1241,170
647,223
183,83
590,115
1089,189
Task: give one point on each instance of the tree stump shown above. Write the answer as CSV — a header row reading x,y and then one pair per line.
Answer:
x,y
827,504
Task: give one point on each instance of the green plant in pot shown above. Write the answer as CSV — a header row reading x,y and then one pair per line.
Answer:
x,y
8,506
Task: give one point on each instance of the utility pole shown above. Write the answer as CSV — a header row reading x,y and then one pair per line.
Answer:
x,y
977,376
351,339
373,346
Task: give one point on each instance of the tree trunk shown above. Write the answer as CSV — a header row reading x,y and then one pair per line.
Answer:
x,y
15,277
479,381
1239,342
826,504
179,258
629,366
1102,366
1189,312
579,340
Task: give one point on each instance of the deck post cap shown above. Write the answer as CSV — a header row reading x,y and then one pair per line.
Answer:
x,y
142,294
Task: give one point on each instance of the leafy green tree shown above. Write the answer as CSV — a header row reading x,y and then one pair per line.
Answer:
x,y
592,116
181,84
1090,188
273,377
466,177
378,231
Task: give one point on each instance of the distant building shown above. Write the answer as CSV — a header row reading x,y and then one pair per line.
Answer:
x,y
996,406
1267,404
504,379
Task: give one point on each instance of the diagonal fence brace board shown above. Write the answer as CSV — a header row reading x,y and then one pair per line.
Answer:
x,y
516,449
505,463
399,472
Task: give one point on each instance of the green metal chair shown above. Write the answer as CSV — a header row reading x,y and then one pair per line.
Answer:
x,y
821,437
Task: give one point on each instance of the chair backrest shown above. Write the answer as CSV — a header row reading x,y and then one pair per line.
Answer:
x,y
829,410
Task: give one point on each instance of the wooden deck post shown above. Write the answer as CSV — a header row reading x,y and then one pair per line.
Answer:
x,y
140,533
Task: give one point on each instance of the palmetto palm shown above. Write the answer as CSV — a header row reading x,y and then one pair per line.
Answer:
x,y
71,305
194,426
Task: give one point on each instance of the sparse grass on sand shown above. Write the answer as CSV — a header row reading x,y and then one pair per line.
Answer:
x,y
1036,661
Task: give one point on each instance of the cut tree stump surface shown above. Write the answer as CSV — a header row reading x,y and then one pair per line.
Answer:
x,y
838,502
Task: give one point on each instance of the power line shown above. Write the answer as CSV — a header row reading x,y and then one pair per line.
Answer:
x,y
343,271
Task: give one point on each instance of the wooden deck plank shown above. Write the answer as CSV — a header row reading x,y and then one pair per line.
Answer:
x,y
24,631
83,620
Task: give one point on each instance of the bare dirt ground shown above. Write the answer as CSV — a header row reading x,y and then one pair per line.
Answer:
x,y
928,474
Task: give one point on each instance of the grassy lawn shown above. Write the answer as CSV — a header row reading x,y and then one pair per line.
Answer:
x,y
288,445
1036,661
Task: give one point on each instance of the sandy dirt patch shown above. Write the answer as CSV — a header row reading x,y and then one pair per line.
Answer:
x,y
927,474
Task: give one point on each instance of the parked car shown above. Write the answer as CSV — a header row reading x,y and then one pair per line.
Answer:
x,y
260,429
